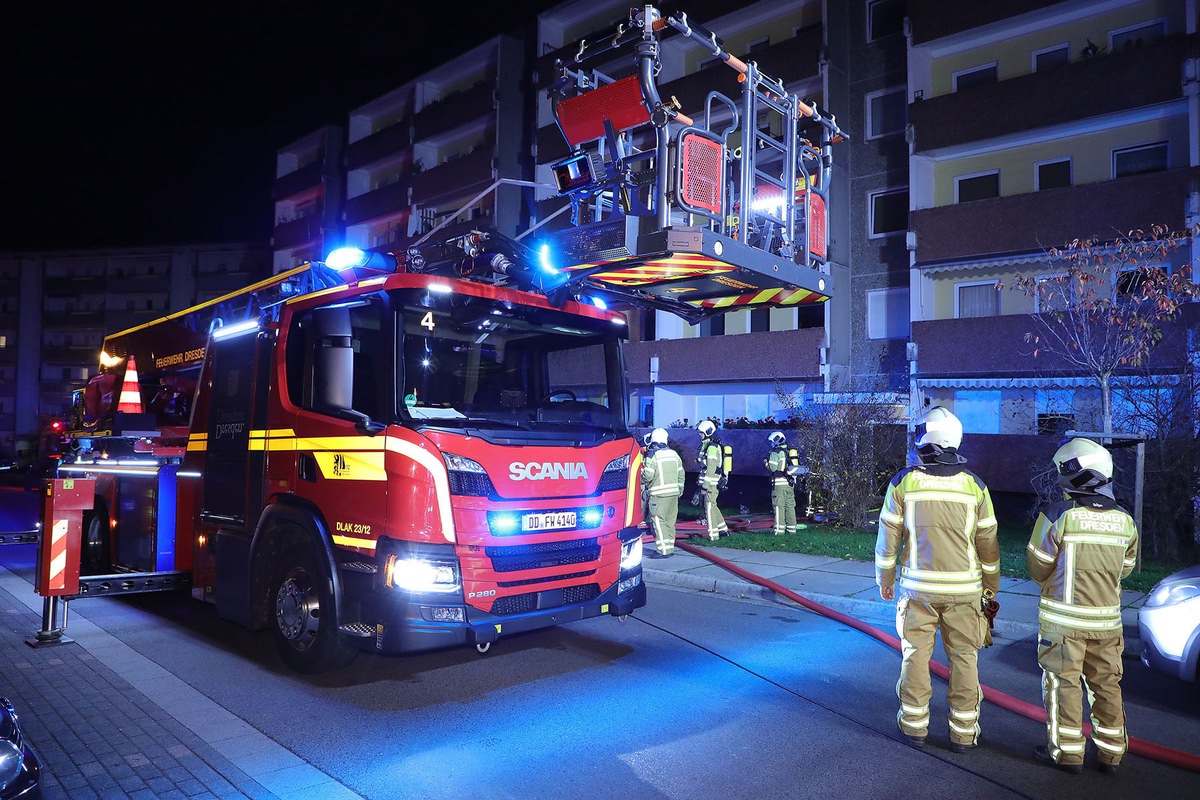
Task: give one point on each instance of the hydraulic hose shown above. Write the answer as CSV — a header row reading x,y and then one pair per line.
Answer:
x,y
1156,752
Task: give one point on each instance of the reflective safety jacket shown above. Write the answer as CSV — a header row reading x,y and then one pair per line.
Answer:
x,y
937,523
662,473
1080,550
777,465
711,462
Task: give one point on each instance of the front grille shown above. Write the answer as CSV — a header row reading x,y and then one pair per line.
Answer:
x,y
471,484
547,579
538,556
524,603
613,480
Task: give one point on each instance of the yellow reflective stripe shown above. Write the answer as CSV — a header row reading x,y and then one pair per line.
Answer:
x,y
1080,624
1071,731
939,575
351,466
990,569
197,444
1072,748
885,563
339,443
914,710
968,716
960,729
1071,608
351,541
893,518
1039,554
1114,540
631,487
1108,731
1129,562
920,495
946,588
1109,746
986,522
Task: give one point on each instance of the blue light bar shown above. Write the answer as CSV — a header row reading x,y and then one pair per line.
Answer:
x,y
345,258
599,303
503,522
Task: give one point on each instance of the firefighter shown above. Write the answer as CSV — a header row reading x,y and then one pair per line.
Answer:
x,y
937,522
783,481
713,477
1080,550
662,484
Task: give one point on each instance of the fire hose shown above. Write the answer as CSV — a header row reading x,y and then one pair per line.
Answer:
x,y
1156,752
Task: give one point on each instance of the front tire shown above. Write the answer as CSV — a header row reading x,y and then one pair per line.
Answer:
x,y
305,631
96,559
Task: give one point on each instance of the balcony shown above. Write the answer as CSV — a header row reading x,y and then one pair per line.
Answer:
x,y
455,110
296,182
933,19
740,357
73,319
456,177
1040,220
71,355
72,286
1094,87
994,347
297,232
381,202
379,145
141,283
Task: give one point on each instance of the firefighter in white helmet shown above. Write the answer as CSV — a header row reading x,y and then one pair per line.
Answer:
x,y
783,495
662,484
937,523
1080,550
713,477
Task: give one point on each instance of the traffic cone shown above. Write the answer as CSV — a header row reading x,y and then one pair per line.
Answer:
x,y
131,395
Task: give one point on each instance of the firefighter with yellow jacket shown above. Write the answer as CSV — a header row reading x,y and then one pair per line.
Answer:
x,y
937,524
781,467
662,484
713,477
1080,550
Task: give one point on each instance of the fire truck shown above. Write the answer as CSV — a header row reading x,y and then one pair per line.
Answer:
x,y
396,452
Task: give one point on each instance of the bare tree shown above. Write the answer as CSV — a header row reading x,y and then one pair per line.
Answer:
x,y
1103,314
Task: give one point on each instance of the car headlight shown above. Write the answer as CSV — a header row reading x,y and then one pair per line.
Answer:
x,y
463,464
1168,593
420,575
618,464
631,553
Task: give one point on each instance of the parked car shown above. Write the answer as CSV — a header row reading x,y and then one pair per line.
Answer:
x,y
1169,625
20,768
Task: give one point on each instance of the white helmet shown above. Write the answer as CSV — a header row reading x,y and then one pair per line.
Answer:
x,y
658,436
777,438
706,428
938,431
1083,464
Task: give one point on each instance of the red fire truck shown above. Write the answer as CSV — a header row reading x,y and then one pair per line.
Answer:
x,y
402,452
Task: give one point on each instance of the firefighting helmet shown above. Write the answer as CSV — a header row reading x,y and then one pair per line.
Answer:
x,y
706,428
938,434
1082,465
777,438
658,436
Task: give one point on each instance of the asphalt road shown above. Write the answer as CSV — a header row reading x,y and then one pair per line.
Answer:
x,y
695,696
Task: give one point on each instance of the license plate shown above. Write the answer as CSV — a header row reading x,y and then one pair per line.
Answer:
x,y
548,521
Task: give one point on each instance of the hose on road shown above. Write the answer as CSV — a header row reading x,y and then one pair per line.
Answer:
x,y
1157,752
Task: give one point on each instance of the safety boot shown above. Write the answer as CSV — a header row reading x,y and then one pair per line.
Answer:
x,y
1042,754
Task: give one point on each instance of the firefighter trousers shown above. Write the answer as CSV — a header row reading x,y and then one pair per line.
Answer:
x,y
783,498
1065,662
962,626
712,514
664,511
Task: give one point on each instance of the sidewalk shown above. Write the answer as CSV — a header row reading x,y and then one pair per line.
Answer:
x,y
846,586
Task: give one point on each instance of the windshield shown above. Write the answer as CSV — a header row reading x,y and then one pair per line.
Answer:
x,y
468,359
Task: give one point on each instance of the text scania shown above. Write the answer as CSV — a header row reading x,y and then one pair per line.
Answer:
x,y
546,470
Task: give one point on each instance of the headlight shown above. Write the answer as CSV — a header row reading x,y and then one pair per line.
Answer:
x,y
419,575
11,762
618,464
631,553
463,464
1170,593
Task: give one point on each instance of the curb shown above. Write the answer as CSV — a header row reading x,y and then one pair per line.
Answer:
x,y
1008,630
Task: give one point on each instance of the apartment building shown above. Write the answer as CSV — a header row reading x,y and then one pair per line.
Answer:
x,y
58,305
308,192
1032,124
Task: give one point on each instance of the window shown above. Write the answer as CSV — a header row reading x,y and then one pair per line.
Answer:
x,y
887,112
1051,57
889,212
1054,424
976,187
1054,292
1131,283
1138,160
976,76
1052,174
887,314
976,300
884,18
978,410
710,407
1136,35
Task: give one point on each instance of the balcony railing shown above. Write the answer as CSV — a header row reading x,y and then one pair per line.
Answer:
x,y
1040,220
933,19
297,232
295,182
379,145
1095,87
384,201
454,177
740,357
455,110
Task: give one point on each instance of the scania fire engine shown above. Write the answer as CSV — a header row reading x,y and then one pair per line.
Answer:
x,y
397,452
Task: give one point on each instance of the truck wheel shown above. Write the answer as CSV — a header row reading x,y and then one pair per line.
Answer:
x,y
95,560
305,634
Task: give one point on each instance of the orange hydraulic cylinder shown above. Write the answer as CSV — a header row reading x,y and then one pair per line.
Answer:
x,y
62,535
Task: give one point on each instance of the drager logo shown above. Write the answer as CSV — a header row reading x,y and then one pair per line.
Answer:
x,y
546,470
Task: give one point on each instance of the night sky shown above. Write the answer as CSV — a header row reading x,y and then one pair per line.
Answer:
x,y
145,123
